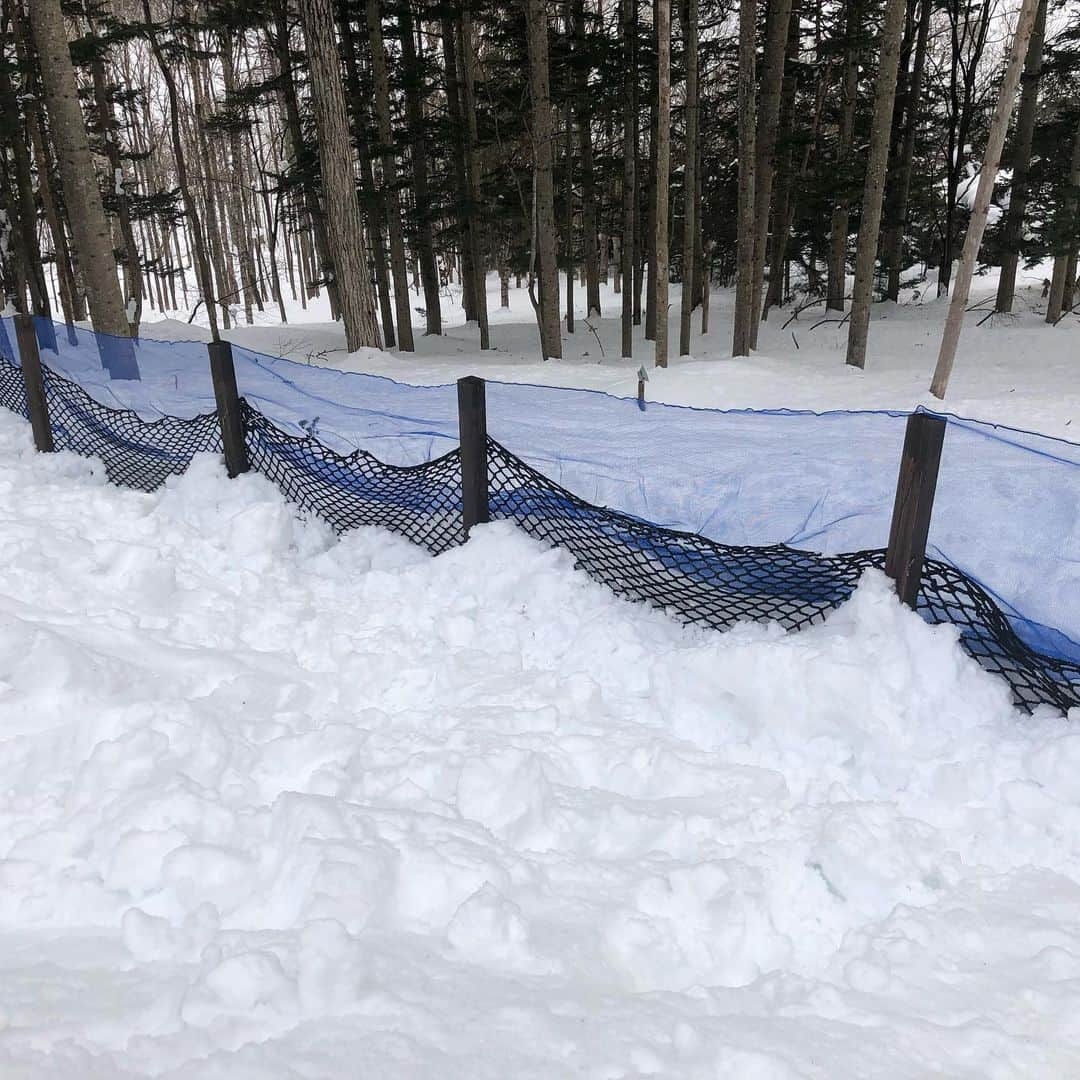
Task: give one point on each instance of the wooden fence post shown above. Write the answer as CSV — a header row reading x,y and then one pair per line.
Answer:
x,y
36,402
230,417
472,429
915,488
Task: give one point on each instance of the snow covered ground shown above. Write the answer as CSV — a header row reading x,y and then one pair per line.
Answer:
x,y
276,805
1013,370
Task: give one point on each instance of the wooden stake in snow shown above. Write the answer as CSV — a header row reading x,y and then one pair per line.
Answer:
x,y
987,174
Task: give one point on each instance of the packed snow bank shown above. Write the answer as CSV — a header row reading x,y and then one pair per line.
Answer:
x,y
274,804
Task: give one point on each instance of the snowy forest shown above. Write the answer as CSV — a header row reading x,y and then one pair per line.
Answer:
x,y
203,155
540,540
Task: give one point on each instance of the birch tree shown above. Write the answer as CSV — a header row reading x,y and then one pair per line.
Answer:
x,y
987,174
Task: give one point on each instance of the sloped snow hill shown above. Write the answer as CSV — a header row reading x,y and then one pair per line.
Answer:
x,y
273,805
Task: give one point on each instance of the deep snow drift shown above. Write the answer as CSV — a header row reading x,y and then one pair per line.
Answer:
x,y
276,805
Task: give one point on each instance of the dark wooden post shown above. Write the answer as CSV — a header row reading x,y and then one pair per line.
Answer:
x,y
36,402
472,428
915,488
228,407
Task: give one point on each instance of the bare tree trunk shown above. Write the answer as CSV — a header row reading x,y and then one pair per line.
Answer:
x,y
772,77
568,195
339,186
663,165
897,200
133,283
238,174
89,226
24,211
1018,189
414,114
391,201
650,222
987,174
588,179
543,171
1065,255
784,192
690,230
300,152
461,184
628,20
477,260
841,216
370,196
874,190
745,304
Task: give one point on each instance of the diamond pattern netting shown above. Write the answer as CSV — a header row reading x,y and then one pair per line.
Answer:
x,y
703,582
692,578
420,502
137,453
12,387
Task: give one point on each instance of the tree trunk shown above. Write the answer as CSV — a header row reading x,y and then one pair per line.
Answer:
x,y
650,223
836,285
745,304
663,165
414,115
874,190
987,175
1011,234
370,196
690,234
897,200
301,152
772,77
568,190
543,172
588,179
784,194
24,209
238,173
391,199
339,187
1065,253
89,226
467,59
628,20
461,185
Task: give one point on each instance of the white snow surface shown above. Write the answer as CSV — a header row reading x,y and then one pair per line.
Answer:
x,y
277,805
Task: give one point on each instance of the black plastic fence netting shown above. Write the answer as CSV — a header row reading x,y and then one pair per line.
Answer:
x,y
136,453
420,502
717,585
697,580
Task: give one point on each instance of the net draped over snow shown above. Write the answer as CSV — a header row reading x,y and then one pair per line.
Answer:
x,y
725,486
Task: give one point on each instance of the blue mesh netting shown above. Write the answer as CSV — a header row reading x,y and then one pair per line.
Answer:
x,y
1007,511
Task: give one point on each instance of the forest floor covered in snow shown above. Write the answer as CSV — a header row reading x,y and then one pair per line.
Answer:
x,y
275,804
1012,369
